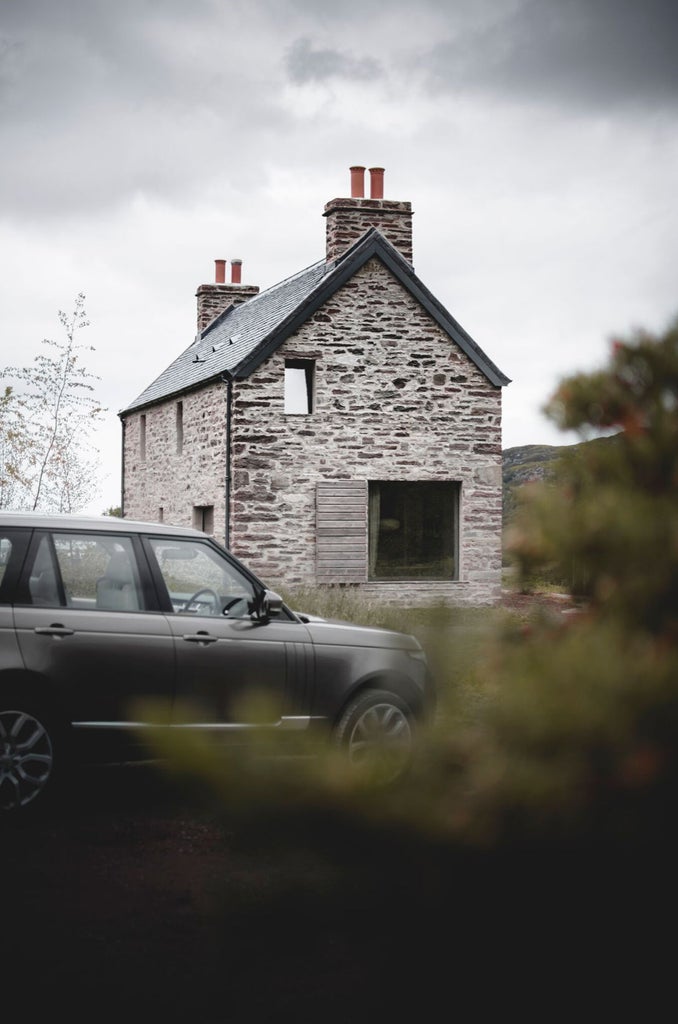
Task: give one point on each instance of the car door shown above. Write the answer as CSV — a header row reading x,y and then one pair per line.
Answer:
x,y
232,670
85,622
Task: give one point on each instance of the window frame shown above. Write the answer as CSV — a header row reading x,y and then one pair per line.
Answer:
x,y
407,575
308,366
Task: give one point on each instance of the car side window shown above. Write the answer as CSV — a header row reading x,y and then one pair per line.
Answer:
x,y
13,545
200,581
43,586
99,572
5,552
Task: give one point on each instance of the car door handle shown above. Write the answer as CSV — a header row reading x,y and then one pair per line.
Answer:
x,y
200,638
55,630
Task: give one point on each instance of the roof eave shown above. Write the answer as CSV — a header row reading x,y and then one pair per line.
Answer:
x,y
169,395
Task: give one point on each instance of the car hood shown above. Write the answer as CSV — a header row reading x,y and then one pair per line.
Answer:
x,y
337,633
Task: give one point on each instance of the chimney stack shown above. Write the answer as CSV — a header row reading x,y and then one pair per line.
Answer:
x,y
214,299
376,182
357,182
349,219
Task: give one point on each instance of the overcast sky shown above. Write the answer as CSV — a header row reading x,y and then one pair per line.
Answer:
x,y
140,140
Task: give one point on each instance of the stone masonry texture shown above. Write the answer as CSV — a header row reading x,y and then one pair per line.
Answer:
x,y
394,399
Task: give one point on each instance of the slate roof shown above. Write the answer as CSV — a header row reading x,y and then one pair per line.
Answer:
x,y
244,335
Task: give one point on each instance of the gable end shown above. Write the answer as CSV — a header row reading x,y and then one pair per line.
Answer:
x,y
372,244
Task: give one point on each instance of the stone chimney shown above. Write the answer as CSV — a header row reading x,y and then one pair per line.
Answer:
x,y
348,219
213,299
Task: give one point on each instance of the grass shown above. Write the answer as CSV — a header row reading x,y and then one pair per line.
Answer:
x,y
457,641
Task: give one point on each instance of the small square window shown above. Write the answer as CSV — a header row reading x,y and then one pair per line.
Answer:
x,y
203,518
299,375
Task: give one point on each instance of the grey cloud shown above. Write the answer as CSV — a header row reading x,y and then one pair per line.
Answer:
x,y
595,53
100,102
306,64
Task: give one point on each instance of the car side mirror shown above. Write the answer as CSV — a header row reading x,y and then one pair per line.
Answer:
x,y
267,605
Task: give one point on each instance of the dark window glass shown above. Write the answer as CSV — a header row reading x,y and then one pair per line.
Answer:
x,y
180,427
414,529
203,518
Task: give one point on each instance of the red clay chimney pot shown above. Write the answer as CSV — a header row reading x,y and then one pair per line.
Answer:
x,y
236,267
357,182
220,271
376,182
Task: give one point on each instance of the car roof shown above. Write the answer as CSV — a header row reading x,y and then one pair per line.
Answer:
x,y
104,524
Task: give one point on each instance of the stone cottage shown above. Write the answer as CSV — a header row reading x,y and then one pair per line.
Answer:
x,y
338,428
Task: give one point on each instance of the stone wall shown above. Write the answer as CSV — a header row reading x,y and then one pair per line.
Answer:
x,y
394,399
168,484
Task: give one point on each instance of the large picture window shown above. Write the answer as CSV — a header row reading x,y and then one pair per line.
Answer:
x,y
413,530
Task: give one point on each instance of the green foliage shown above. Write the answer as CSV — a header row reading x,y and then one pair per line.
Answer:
x,y
530,468
585,720
47,413
609,525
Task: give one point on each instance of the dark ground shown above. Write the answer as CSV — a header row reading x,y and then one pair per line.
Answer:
x,y
128,900
135,904
132,902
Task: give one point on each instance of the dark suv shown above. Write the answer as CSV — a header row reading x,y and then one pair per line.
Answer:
x,y
100,617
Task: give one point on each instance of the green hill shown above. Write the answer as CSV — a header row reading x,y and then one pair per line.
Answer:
x,y
529,463
523,465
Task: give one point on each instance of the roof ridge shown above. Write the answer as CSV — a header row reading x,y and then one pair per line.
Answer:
x,y
285,280
246,333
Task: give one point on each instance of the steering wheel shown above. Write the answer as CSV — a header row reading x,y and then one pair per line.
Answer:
x,y
213,597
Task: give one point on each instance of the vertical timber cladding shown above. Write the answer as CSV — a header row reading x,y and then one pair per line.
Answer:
x,y
341,531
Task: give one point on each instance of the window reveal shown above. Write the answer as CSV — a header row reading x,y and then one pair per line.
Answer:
x,y
180,427
203,518
413,530
299,386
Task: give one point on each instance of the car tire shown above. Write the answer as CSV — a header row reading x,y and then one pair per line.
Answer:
x,y
376,731
29,755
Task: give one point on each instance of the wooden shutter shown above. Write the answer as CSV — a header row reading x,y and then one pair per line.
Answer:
x,y
341,531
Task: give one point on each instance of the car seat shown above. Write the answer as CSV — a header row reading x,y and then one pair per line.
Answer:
x,y
42,583
116,589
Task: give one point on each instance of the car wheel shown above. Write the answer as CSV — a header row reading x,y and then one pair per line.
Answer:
x,y
376,731
26,756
